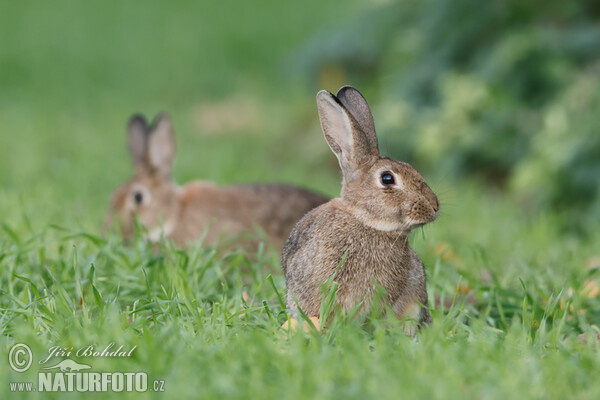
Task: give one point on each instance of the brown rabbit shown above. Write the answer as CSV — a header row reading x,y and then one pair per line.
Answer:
x,y
381,202
184,213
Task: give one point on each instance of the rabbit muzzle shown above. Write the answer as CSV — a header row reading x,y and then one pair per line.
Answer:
x,y
423,211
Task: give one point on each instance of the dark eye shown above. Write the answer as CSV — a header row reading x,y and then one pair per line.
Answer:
x,y
387,178
137,197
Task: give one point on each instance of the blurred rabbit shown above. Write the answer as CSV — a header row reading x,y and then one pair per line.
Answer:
x,y
184,213
381,202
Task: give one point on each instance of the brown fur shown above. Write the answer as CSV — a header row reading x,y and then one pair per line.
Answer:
x,y
184,214
370,221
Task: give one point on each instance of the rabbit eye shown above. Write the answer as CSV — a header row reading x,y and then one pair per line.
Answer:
x,y
387,178
138,197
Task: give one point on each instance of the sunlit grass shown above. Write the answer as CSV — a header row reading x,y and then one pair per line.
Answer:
x,y
209,323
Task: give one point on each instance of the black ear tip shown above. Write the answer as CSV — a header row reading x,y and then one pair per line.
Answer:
x,y
348,90
137,119
344,88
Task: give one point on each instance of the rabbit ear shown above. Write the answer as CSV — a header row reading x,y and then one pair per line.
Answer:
x,y
343,134
138,140
354,102
161,145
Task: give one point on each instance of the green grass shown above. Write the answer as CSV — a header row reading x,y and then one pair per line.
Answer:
x,y
516,333
208,324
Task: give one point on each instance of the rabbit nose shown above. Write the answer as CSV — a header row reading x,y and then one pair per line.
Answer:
x,y
436,205
434,202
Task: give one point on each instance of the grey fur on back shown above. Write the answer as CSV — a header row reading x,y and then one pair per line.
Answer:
x,y
281,206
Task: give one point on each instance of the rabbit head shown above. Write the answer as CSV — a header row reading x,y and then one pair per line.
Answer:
x,y
151,195
384,194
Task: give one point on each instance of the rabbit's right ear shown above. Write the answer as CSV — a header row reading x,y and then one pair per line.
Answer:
x,y
138,141
161,145
344,135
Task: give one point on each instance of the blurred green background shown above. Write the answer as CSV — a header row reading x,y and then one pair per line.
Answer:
x,y
496,103
71,75
505,96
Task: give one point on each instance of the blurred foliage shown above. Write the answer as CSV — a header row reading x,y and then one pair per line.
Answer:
x,y
507,91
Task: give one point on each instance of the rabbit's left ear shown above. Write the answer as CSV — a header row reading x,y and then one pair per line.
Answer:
x,y
354,102
161,145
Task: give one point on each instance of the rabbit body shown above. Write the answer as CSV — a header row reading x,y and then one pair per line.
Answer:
x,y
381,202
185,213
367,263
240,209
